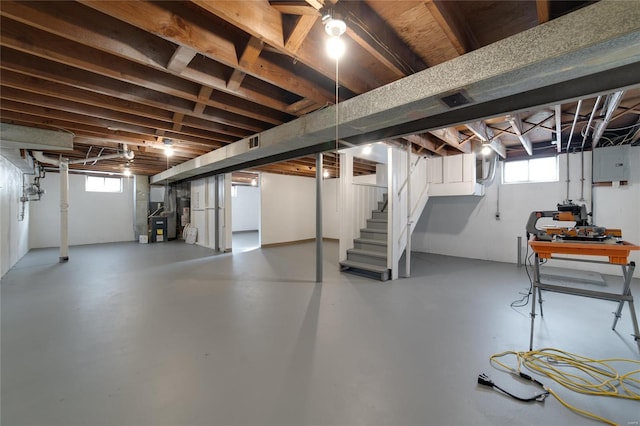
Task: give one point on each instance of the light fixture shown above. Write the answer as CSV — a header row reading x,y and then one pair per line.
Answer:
x,y
367,150
127,170
325,173
486,149
335,47
254,182
334,26
168,147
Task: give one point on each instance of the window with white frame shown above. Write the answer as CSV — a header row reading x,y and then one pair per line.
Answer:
x,y
103,184
532,170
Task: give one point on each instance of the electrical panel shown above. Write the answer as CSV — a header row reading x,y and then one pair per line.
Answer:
x,y
611,164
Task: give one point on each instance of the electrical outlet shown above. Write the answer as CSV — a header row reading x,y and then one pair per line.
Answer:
x,y
497,215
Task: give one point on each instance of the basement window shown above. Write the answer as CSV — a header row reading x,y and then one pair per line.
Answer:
x,y
103,184
533,170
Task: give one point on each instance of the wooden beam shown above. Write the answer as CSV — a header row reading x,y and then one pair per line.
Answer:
x,y
453,138
157,20
180,59
203,98
516,124
452,22
612,102
34,42
558,114
299,32
177,121
485,134
426,142
544,11
374,35
265,23
249,56
294,8
236,79
73,77
300,105
107,34
46,106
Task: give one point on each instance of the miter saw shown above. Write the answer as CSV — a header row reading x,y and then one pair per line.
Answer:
x,y
581,231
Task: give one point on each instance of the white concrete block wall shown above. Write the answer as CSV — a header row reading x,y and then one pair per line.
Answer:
x,y
466,226
288,206
94,217
246,209
14,233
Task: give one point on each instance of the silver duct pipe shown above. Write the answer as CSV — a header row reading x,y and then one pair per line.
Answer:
x,y
39,156
127,154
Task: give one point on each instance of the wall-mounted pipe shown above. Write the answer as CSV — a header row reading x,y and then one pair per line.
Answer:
x,y
39,156
128,155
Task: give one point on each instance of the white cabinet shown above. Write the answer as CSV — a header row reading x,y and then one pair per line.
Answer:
x,y
453,175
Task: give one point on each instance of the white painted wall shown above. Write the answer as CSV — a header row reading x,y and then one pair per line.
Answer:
x,y
246,209
466,225
366,198
14,233
94,217
288,206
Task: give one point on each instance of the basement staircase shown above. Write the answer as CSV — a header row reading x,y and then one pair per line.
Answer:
x,y
369,255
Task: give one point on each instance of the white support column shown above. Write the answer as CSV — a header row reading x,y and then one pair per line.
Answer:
x,y
408,249
228,226
64,210
393,218
346,205
319,218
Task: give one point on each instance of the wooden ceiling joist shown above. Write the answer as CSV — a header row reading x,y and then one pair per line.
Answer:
x,y
374,35
153,18
180,59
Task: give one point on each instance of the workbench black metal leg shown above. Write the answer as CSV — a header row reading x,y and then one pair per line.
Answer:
x,y
533,316
540,301
534,288
634,319
627,274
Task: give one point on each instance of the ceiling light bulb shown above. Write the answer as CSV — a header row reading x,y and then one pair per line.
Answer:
x,y
335,27
486,149
254,182
168,151
366,150
325,173
127,170
335,47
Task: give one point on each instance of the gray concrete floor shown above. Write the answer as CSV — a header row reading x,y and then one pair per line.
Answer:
x,y
245,241
172,334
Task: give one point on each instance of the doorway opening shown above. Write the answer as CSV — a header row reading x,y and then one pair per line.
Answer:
x,y
245,211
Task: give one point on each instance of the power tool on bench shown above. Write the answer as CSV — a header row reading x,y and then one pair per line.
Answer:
x,y
569,212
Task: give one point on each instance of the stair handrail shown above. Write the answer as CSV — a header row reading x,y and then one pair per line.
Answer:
x,y
413,169
369,184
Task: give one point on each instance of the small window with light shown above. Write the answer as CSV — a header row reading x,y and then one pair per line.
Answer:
x,y
532,170
103,184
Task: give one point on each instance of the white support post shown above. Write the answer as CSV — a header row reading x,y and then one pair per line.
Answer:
x,y
346,205
64,210
408,249
319,218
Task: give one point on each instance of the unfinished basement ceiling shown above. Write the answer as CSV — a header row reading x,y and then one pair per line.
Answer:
x,y
200,75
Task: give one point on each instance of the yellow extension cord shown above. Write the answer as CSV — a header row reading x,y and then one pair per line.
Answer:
x,y
598,375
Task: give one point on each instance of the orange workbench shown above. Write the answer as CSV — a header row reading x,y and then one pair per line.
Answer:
x,y
617,253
